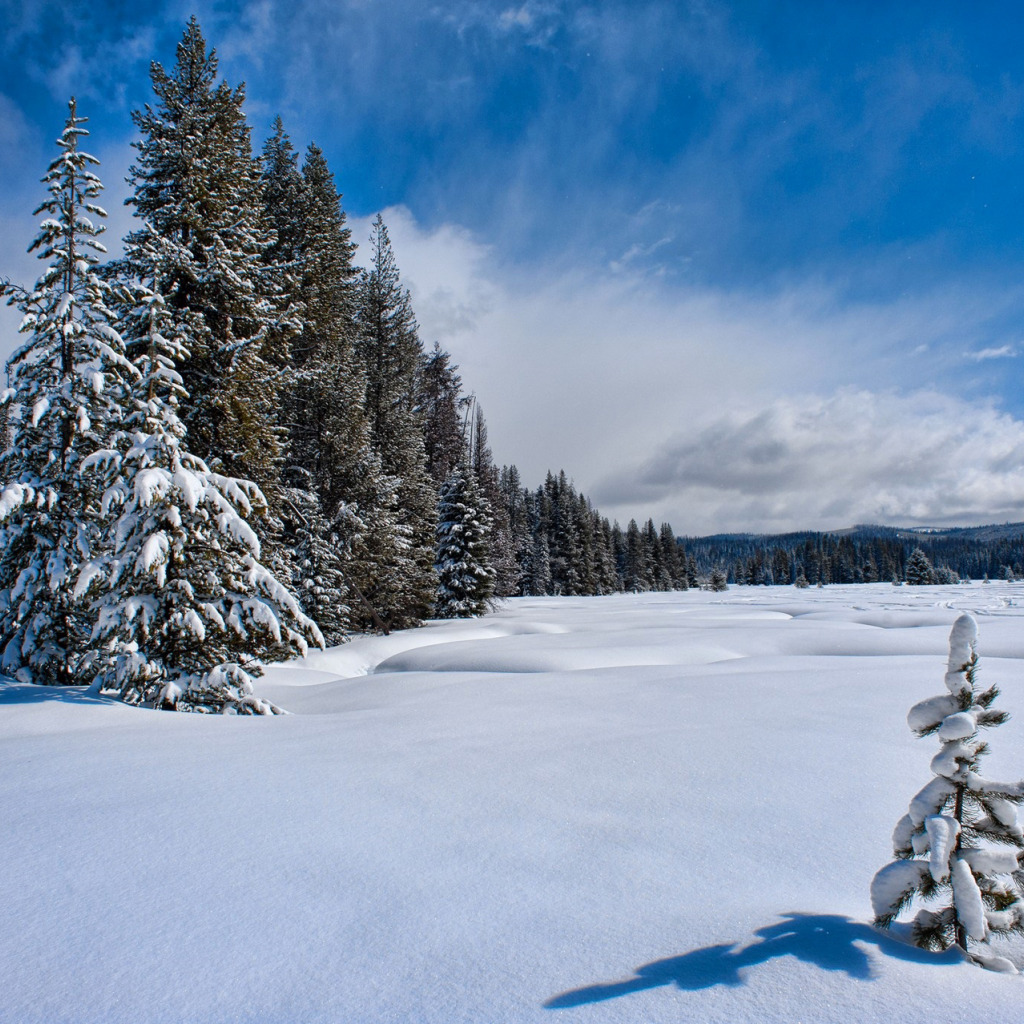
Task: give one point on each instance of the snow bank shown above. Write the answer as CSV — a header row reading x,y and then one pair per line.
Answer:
x,y
628,842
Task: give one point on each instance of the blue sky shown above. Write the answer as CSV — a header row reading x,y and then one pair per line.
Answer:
x,y
748,265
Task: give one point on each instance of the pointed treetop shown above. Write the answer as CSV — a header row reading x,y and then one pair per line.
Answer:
x,y
194,62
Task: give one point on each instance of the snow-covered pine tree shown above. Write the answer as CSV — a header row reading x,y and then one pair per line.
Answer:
x,y
323,389
586,575
67,380
637,565
465,576
359,498
671,562
185,610
516,501
919,569
608,574
442,403
563,538
718,581
203,246
657,579
501,551
540,582
391,353
959,847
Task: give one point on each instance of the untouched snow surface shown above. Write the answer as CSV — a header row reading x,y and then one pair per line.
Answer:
x,y
660,808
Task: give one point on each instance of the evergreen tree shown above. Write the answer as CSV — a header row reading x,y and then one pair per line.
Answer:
x,y
317,562
564,540
465,576
657,575
609,581
390,347
442,404
499,542
692,580
391,353
203,246
586,564
67,378
718,580
540,576
959,847
515,499
919,569
671,559
284,201
637,575
339,508
185,609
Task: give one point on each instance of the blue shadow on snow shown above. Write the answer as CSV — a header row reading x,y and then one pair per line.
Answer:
x,y
13,692
828,941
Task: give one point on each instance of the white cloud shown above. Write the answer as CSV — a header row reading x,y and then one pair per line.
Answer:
x,y
638,252
853,457
445,270
1002,352
516,17
692,406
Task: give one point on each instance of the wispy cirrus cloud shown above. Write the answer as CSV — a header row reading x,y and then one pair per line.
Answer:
x,y
1002,352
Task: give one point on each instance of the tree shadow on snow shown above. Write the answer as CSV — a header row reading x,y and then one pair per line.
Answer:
x,y
13,692
829,941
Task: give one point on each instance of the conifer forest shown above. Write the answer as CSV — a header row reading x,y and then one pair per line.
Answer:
x,y
229,443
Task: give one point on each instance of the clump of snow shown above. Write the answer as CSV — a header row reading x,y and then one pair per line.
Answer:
x,y
930,800
927,714
990,861
962,638
967,896
943,831
958,727
894,884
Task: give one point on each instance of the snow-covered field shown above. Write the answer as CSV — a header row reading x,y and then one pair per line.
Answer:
x,y
663,808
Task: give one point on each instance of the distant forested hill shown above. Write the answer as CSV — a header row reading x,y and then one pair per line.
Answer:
x,y
862,554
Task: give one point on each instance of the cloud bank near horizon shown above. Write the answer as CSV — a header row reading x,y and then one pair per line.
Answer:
x,y
713,410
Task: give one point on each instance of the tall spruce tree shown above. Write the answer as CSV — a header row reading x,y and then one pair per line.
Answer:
x,y
185,610
637,565
203,244
358,498
391,354
337,509
959,847
672,560
516,501
499,542
464,572
442,403
67,378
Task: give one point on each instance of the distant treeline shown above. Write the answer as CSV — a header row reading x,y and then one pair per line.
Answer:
x,y
864,555
552,540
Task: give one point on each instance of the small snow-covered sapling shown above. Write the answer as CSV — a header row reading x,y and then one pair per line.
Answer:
x,y
958,848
